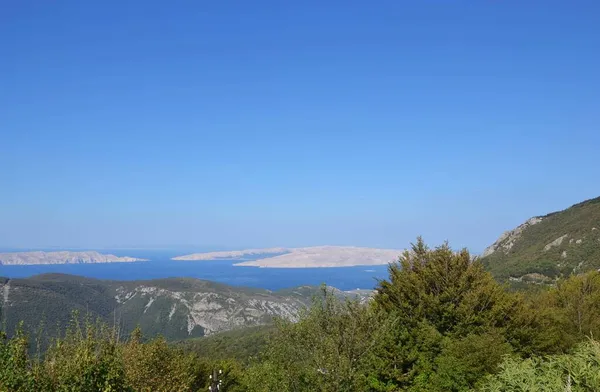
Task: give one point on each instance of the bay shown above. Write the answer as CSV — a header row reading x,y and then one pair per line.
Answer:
x,y
160,265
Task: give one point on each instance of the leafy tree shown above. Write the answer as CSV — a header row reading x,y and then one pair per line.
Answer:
x,y
324,351
564,315
450,290
155,366
232,375
444,302
90,357
85,359
462,362
242,345
576,372
578,301
15,371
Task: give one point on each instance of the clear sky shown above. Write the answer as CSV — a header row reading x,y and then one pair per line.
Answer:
x,y
293,123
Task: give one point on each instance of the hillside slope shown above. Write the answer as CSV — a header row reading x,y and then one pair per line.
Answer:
x,y
175,308
546,247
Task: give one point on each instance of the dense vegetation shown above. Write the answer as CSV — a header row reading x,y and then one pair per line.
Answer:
x,y
530,256
440,322
90,357
243,345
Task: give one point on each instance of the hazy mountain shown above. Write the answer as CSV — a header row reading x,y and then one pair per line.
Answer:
x,y
545,247
61,257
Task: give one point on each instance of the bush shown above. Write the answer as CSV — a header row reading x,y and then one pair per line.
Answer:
x,y
15,370
157,367
91,358
576,372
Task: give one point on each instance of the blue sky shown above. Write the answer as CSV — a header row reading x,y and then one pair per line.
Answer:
x,y
263,123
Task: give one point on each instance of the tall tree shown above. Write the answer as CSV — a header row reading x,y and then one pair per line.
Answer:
x,y
449,290
443,303
324,351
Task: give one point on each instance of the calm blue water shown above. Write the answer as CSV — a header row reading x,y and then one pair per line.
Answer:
x,y
160,266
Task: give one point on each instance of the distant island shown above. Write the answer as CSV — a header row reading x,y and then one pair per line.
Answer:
x,y
310,257
62,257
232,254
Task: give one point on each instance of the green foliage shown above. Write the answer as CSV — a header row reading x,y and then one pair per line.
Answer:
x,y
445,305
241,345
157,367
86,359
325,350
576,372
462,362
566,314
51,302
89,357
578,300
15,372
446,289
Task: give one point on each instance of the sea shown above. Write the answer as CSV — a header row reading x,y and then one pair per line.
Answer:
x,y
160,265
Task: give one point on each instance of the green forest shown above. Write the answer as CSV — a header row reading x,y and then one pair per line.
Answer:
x,y
439,322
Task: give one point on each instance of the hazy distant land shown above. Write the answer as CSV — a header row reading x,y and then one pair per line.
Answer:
x,y
232,254
62,257
311,257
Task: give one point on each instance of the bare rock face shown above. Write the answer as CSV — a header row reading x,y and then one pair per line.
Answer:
x,y
210,311
532,278
5,288
556,242
508,238
62,257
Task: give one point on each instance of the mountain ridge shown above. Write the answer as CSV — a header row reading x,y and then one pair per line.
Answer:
x,y
549,246
176,308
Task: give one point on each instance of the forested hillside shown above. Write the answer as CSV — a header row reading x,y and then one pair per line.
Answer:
x,y
174,308
547,247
